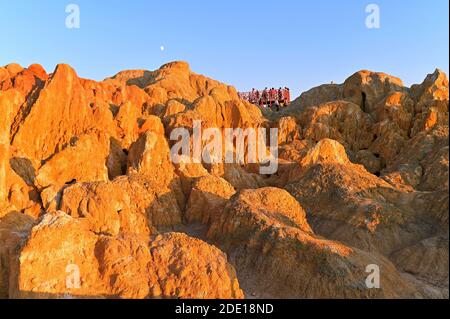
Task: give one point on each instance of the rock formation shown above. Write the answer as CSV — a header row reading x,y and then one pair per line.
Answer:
x,y
92,204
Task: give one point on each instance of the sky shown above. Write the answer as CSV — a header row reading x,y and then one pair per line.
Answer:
x,y
295,43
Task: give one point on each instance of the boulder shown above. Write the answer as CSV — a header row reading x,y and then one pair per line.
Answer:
x,y
367,88
267,236
200,270
319,95
288,130
76,263
83,160
341,121
427,260
14,227
207,199
60,112
65,264
129,205
150,155
345,202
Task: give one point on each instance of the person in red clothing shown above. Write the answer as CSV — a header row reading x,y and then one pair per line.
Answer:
x,y
273,96
263,97
287,96
257,98
252,98
280,96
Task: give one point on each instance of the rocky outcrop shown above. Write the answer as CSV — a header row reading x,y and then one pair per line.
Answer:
x,y
347,203
340,121
318,95
89,191
14,228
208,197
4,146
366,88
199,271
83,160
288,130
150,155
60,112
74,262
427,260
132,204
267,236
423,163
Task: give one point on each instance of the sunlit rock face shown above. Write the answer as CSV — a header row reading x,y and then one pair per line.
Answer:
x,y
92,204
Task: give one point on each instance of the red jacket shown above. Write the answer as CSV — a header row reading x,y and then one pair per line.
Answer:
x,y
287,95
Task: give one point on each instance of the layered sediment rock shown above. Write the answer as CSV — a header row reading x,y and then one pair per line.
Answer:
x,y
93,205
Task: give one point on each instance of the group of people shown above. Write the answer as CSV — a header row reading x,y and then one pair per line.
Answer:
x,y
272,98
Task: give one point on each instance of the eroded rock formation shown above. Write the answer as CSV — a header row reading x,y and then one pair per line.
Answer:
x,y
92,205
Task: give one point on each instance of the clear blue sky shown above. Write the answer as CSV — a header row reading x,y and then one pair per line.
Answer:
x,y
295,43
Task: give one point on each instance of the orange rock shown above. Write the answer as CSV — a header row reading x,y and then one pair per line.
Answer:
x,y
65,265
150,155
14,227
174,107
347,203
151,123
100,152
433,88
366,88
4,74
398,108
189,173
60,112
13,69
5,125
199,271
317,96
127,122
83,160
326,151
265,231
288,130
39,71
74,262
423,163
341,121
237,176
134,204
207,199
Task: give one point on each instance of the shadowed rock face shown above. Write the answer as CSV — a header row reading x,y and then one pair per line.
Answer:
x,y
88,190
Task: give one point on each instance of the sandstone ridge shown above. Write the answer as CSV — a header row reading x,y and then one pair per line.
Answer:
x,y
93,206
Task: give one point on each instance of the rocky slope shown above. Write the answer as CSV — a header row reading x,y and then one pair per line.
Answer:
x,y
88,190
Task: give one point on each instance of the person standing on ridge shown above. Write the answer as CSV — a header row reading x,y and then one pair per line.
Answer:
x,y
258,98
272,96
287,96
252,98
265,96
280,96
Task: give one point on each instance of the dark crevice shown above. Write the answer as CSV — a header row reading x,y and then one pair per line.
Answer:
x,y
72,182
364,101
